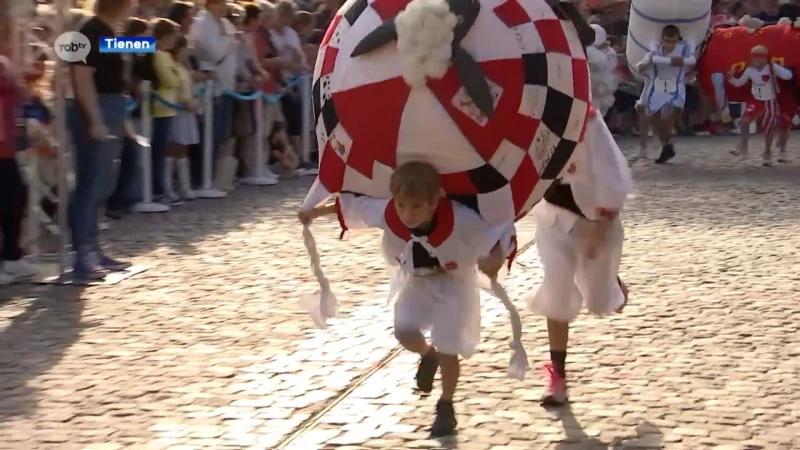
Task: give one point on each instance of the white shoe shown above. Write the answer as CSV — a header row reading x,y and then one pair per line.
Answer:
x,y
184,180
7,278
642,155
103,226
19,269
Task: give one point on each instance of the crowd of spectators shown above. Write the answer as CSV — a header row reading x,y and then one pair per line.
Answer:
x,y
698,117
244,47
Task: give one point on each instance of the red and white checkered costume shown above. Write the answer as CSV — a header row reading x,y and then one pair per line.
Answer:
x,y
369,120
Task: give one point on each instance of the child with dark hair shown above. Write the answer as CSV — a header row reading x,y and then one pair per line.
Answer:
x,y
664,96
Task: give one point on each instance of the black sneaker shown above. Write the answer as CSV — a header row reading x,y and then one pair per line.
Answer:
x,y
428,365
445,423
667,153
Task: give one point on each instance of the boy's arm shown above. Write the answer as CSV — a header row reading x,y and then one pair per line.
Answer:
x,y
353,212
781,72
739,81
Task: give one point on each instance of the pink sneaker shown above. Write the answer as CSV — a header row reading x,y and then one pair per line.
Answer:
x,y
555,393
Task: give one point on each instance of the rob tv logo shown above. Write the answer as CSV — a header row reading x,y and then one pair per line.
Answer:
x,y
73,46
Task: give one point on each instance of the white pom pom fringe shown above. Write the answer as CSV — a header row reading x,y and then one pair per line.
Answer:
x,y
424,40
518,365
321,305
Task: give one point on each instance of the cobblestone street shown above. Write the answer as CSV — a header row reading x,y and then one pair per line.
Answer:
x,y
208,349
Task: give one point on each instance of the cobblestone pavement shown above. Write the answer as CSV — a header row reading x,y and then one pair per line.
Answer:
x,y
209,350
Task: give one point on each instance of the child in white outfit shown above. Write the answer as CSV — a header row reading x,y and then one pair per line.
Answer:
x,y
433,247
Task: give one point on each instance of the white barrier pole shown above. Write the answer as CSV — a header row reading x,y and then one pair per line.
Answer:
x,y
62,78
259,178
305,92
207,190
33,221
147,205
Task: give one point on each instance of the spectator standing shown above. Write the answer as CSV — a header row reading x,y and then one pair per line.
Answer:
x,y
14,192
324,14
287,45
150,9
96,121
169,82
770,11
790,9
215,43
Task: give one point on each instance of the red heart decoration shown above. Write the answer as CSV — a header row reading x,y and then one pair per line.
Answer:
x,y
765,77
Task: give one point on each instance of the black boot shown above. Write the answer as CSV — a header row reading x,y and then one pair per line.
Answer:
x,y
445,423
426,371
667,153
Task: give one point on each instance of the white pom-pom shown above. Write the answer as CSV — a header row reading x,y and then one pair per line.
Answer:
x,y
424,40
600,35
797,23
785,21
745,18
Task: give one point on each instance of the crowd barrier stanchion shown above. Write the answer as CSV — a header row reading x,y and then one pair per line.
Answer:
x,y
259,178
207,190
305,92
62,79
147,205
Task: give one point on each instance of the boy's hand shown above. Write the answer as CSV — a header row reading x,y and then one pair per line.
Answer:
x,y
492,264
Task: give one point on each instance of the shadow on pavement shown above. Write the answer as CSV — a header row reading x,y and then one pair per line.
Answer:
x,y
33,342
646,435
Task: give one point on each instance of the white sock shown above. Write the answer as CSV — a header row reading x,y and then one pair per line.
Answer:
x,y
169,172
184,178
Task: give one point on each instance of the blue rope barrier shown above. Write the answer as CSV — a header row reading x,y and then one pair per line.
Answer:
x,y
132,104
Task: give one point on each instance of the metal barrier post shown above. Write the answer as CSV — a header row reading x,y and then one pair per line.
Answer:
x,y
207,190
147,205
305,92
259,177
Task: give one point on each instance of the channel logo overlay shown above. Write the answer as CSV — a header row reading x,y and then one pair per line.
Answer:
x,y
72,47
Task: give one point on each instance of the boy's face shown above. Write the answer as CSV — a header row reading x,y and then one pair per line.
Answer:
x,y
415,212
759,61
669,43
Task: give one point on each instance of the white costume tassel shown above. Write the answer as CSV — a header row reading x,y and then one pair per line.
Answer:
x,y
322,305
519,358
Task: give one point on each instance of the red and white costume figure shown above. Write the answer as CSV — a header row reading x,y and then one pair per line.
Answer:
x,y
763,102
448,305
493,93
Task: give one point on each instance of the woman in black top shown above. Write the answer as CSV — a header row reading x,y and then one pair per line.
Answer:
x,y
96,121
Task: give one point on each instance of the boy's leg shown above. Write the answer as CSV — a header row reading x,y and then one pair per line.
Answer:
x,y
559,301
644,129
783,139
768,135
445,422
666,124
412,315
558,338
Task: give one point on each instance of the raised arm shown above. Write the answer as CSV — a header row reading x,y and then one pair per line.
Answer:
x,y
739,81
781,72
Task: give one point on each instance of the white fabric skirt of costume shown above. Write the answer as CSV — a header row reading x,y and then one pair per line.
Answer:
x,y
184,129
445,304
571,280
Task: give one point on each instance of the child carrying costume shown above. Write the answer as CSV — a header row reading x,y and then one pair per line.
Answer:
x,y
764,103
433,247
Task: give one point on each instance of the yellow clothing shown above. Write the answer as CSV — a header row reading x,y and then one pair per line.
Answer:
x,y
185,93
169,83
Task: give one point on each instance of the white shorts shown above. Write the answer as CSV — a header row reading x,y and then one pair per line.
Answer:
x,y
570,280
446,306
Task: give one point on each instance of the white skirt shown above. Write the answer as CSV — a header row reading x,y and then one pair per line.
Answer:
x,y
184,129
571,281
444,304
